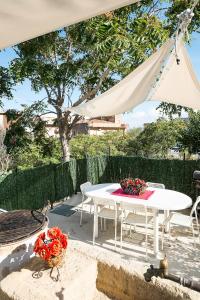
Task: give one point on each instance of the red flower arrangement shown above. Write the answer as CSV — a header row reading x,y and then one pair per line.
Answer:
x,y
51,245
133,186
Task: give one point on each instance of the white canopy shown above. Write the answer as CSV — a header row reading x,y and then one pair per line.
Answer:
x,y
158,78
25,19
178,83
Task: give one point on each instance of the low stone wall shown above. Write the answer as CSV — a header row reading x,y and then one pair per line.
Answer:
x,y
118,283
90,273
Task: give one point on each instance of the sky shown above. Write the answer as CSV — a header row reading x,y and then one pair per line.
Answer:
x,y
144,113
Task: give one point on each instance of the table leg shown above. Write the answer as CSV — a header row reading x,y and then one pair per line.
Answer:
x,y
96,220
156,233
166,215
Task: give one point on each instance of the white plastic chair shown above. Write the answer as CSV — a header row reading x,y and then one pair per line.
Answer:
x,y
140,208
162,217
184,220
105,209
85,200
156,185
2,210
135,219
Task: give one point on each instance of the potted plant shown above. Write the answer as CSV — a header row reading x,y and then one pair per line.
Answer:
x,y
133,186
52,246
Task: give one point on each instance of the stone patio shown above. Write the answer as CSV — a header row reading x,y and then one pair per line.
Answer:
x,y
183,257
99,272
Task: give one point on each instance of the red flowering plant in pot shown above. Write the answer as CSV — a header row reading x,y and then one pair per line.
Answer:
x,y
52,246
133,186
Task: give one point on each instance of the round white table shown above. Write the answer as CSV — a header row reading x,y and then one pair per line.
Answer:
x,y
161,199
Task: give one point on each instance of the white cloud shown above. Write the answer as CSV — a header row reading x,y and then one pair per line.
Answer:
x,y
144,113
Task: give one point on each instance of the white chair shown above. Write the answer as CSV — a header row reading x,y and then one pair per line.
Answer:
x,y
85,200
166,213
156,185
183,220
140,208
129,217
2,210
105,209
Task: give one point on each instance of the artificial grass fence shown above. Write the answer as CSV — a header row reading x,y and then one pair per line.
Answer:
x,y
30,189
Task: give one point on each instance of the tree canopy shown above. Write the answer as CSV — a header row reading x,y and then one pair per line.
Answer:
x,y
156,139
76,63
190,135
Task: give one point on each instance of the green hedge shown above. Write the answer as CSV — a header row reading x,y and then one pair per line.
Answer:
x,y
29,189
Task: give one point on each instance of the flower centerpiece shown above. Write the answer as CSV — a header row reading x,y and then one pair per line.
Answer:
x,y
52,246
133,186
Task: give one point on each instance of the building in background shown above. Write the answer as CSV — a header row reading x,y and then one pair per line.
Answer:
x,y
99,126
3,120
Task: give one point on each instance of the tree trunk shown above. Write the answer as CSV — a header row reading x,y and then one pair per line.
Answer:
x,y
65,148
63,141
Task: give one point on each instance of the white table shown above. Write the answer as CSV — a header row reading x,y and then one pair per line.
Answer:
x,y
161,199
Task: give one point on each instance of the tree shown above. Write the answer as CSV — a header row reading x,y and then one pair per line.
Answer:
x,y
111,143
34,155
77,63
27,139
156,139
190,135
24,125
5,158
172,110
6,84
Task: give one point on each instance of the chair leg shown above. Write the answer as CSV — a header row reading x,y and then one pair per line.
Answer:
x,y
121,238
198,226
115,233
81,217
169,232
163,230
94,229
146,240
101,224
104,223
90,209
194,239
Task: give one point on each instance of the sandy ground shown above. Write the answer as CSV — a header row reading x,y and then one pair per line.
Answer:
x,y
183,257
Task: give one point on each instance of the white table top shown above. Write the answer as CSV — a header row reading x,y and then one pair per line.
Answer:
x,y
162,199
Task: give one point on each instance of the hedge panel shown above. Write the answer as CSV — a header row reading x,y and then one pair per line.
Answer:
x,y
30,189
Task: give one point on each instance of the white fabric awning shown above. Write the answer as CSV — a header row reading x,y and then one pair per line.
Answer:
x,y
130,91
158,78
25,19
178,83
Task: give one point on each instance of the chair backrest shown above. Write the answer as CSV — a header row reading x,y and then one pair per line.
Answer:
x,y
132,207
194,208
156,185
2,210
85,186
104,202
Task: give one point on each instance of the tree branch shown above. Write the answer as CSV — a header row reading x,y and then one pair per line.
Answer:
x,y
90,94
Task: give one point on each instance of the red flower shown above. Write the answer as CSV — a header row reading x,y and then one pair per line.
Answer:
x,y
55,247
63,240
39,243
54,233
42,236
44,252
